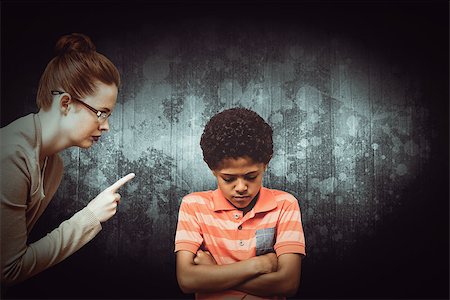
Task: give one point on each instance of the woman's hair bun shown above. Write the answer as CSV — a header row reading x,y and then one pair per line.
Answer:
x,y
75,42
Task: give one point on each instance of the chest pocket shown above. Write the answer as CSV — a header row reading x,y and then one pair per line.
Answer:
x,y
265,239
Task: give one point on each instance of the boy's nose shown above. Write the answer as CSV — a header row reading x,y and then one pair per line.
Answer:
x,y
241,187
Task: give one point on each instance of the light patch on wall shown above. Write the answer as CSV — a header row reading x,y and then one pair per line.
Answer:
x,y
327,186
230,91
411,148
401,169
352,123
156,69
296,52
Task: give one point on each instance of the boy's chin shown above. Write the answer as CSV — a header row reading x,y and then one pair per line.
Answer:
x,y
241,202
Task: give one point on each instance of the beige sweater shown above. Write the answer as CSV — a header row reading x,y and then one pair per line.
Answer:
x,y
25,194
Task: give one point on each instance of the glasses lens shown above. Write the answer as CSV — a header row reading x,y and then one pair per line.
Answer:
x,y
103,116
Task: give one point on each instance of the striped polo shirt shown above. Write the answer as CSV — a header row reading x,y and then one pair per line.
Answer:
x,y
208,220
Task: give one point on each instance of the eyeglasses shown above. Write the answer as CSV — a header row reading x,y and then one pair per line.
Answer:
x,y
101,115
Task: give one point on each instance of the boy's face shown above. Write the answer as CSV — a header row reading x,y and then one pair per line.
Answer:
x,y
239,179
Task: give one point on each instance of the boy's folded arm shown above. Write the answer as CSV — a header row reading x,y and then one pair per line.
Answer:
x,y
283,282
194,278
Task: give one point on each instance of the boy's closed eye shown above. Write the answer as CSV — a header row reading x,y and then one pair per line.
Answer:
x,y
231,179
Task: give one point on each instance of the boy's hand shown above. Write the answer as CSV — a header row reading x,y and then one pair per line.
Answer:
x,y
268,263
204,258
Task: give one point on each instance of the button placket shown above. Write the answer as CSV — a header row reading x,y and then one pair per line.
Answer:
x,y
238,218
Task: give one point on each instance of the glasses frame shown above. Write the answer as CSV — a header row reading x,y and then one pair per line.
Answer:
x,y
101,115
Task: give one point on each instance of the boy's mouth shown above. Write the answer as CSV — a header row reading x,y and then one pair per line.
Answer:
x,y
241,197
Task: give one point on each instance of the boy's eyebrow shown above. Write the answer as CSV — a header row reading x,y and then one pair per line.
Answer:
x,y
239,174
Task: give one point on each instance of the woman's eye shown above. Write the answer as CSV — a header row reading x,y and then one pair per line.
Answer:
x,y
251,178
228,179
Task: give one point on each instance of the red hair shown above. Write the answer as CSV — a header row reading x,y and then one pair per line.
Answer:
x,y
75,69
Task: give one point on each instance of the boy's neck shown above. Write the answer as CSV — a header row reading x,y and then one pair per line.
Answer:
x,y
249,207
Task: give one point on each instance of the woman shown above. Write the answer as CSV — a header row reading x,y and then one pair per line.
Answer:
x,y
77,93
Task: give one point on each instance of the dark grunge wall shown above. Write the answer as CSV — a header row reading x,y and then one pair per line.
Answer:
x,y
357,95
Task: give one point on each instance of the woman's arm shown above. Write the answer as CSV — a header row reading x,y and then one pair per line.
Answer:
x,y
20,261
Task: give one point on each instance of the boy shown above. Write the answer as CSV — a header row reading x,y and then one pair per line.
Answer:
x,y
241,240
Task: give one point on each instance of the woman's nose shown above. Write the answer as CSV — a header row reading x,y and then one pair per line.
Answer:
x,y
105,125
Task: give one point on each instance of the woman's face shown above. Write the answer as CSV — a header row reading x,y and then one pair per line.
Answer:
x,y
84,126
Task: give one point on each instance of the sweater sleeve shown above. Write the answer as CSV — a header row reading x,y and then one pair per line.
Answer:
x,y
20,261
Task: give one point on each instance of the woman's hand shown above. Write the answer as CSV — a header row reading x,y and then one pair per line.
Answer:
x,y
104,205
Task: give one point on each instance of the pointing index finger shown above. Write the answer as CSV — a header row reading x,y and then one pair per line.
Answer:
x,y
119,183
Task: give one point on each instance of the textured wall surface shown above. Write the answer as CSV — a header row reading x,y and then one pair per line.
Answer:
x,y
358,112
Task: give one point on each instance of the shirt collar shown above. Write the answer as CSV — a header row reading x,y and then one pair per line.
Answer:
x,y
265,202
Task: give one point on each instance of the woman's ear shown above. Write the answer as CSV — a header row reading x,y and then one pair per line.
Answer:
x,y
64,104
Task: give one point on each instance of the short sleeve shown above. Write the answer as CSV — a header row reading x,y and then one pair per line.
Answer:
x,y
290,236
188,235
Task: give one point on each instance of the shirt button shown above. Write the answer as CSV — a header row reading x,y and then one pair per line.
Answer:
x,y
236,216
241,243
240,227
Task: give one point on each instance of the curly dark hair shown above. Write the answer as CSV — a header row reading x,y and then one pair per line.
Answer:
x,y
234,133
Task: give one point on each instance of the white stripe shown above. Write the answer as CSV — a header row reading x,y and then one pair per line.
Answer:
x,y
290,235
292,216
230,245
285,197
194,199
225,260
184,216
209,220
186,235
270,218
